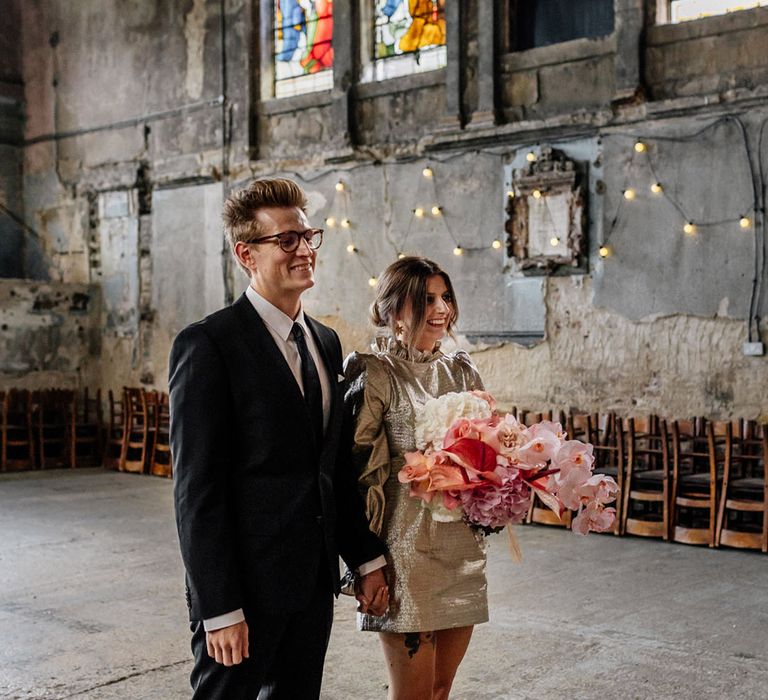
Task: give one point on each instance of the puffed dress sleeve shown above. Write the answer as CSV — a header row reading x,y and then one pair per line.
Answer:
x,y
471,376
367,400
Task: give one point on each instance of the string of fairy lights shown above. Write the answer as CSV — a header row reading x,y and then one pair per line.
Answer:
x,y
426,206
748,215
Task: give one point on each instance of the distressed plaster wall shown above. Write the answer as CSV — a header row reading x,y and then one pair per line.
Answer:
x,y
658,326
50,334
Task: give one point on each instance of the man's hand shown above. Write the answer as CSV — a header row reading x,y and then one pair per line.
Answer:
x,y
229,645
372,593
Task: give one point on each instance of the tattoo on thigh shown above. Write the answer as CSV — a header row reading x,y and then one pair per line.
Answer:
x,y
412,643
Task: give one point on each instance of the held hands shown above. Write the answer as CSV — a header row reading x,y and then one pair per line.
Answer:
x,y
372,593
228,645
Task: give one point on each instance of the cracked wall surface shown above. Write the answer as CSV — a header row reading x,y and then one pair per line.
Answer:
x,y
135,134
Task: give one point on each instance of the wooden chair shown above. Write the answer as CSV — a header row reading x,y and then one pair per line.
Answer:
x,y
645,504
136,437
16,431
538,512
742,519
54,421
161,462
115,432
87,429
701,455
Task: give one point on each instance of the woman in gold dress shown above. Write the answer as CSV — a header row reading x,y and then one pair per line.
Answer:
x,y
435,570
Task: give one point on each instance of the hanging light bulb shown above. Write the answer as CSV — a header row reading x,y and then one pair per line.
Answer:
x,y
372,281
427,172
689,228
554,241
629,194
604,251
418,212
536,194
640,147
346,223
330,222
496,245
351,248
458,250
531,157
745,222
339,186
436,210
656,188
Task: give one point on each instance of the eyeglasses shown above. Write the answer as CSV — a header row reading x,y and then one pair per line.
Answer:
x,y
289,240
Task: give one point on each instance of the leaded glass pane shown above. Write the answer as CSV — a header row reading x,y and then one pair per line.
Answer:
x,y
303,50
409,37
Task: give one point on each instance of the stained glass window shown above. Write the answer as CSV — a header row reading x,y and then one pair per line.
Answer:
x,y
409,37
303,50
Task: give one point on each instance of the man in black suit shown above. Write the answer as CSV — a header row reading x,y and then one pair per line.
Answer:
x,y
264,501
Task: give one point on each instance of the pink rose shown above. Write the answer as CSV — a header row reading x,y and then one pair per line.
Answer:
x,y
445,477
415,469
511,435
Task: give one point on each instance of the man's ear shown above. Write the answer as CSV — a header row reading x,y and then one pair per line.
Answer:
x,y
245,256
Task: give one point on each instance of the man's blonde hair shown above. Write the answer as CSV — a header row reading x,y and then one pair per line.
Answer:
x,y
242,205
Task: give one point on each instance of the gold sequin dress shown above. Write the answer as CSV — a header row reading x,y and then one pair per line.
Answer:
x,y
436,570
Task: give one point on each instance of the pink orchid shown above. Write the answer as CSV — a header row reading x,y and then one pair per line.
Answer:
x,y
573,454
539,450
593,517
599,488
569,488
547,426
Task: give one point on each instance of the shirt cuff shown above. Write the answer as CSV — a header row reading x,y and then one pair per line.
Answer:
x,y
220,621
377,563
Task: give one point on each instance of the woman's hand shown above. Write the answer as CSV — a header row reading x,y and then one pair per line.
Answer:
x,y
372,593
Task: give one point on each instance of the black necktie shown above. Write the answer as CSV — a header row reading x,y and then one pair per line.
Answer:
x,y
313,394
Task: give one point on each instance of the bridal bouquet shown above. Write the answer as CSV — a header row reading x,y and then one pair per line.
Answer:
x,y
477,466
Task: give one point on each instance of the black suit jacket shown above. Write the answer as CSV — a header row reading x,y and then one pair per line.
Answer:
x,y
260,508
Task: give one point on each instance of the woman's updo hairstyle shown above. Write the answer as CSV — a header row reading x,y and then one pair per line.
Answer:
x,y
404,280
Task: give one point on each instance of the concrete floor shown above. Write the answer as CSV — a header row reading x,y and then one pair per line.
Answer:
x,y
92,606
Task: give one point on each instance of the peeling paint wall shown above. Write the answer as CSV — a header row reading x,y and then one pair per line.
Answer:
x,y
50,334
128,203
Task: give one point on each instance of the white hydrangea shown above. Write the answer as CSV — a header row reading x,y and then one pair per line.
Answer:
x,y
437,415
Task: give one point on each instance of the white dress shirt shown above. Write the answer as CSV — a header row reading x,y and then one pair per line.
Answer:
x,y
279,326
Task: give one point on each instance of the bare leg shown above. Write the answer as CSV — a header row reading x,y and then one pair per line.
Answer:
x,y
450,647
411,664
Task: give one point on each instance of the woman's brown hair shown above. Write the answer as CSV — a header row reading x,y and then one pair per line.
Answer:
x,y
404,280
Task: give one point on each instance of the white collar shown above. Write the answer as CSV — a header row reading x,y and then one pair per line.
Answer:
x,y
280,323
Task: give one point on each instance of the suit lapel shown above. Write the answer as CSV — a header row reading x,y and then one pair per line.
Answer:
x,y
267,354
